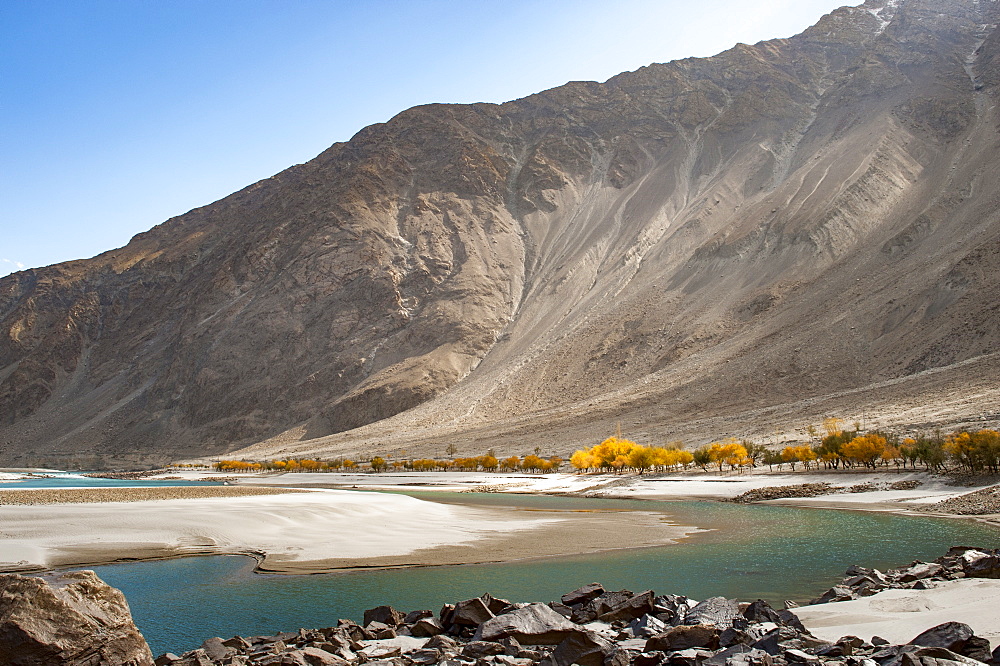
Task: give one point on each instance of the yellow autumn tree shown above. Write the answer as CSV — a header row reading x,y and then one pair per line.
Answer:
x,y
865,449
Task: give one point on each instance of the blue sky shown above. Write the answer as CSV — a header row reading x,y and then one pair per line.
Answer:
x,y
118,114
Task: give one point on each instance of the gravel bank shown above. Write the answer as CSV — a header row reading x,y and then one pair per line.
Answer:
x,y
36,496
978,503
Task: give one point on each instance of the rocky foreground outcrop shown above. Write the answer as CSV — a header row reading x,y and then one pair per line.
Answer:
x,y
959,562
72,619
77,619
592,626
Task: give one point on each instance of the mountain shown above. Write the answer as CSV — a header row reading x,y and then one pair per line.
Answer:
x,y
739,244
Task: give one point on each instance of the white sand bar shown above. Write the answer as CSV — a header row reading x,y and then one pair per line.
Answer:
x,y
316,525
899,616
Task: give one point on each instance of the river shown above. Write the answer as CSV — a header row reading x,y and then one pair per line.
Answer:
x,y
748,552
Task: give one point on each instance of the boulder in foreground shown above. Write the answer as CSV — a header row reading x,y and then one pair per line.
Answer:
x,y
72,619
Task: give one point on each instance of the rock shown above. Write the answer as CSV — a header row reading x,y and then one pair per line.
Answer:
x,y
799,657
495,605
949,635
534,624
976,648
68,619
441,642
216,650
977,564
471,613
719,611
510,646
380,651
562,609
935,656
835,593
316,657
583,595
648,659
480,649
761,611
598,606
238,643
194,658
583,648
415,616
789,619
426,627
739,655
772,641
684,637
647,626
166,659
632,608
387,615
920,570
878,640
689,657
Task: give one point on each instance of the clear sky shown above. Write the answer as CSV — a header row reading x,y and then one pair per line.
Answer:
x,y
118,114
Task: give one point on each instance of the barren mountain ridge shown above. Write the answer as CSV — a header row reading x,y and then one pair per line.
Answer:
x,y
736,245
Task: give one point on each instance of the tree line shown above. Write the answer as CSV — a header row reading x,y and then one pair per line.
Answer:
x,y
832,447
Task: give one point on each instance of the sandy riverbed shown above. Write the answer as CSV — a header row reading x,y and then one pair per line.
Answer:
x,y
901,615
300,532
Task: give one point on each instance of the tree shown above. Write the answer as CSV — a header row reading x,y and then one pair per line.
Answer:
x,y
865,449
510,464
379,464
489,462
640,458
532,463
728,452
702,457
755,452
582,460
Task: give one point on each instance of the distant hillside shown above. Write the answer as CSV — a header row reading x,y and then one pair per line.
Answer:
x,y
727,245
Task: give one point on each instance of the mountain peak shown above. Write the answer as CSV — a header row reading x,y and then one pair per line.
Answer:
x,y
728,245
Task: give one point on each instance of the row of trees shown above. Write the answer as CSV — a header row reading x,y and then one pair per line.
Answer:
x,y
486,463
977,451
618,455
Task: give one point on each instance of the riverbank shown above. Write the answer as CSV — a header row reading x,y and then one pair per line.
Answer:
x,y
307,523
288,531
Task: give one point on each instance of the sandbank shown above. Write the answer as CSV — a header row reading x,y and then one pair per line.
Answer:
x,y
899,616
310,532
663,487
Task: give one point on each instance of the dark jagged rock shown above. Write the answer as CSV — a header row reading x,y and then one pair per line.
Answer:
x,y
717,611
949,635
535,624
632,608
426,627
684,637
583,595
583,648
835,593
386,615
71,619
471,613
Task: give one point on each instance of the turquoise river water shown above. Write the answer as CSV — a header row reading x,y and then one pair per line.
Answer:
x,y
749,552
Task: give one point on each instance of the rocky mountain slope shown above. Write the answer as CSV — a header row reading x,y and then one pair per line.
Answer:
x,y
730,245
